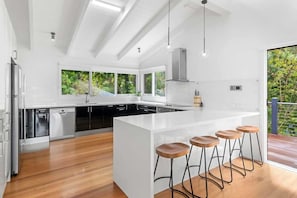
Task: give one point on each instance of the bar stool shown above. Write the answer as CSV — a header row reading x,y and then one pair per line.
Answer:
x,y
172,151
251,130
229,135
205,142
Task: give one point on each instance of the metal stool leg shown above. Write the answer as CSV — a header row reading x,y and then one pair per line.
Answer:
x,y
231,166
218,178
261,162
156,166
188,169
207,171
171,178
252,153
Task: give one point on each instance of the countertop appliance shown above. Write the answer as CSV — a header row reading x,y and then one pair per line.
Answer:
x,y
62,123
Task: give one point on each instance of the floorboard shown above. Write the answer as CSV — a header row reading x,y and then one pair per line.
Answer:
x,y
82,168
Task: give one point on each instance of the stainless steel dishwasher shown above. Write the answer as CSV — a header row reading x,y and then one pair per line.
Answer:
x,y
62,123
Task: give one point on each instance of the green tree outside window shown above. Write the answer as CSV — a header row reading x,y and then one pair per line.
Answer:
x,y
160,83
102,83
75,82
148,83
126,84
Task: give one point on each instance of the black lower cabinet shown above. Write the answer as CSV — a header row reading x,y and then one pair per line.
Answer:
x,y
82,119
133,109
109,113
121,110
97,117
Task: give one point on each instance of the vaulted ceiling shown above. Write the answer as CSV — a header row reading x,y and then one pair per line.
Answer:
x,y
86,30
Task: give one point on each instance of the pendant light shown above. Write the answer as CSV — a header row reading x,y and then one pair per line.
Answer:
x,y
168,35
53,36
204,43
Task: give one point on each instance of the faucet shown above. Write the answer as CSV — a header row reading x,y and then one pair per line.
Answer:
x,y
87,98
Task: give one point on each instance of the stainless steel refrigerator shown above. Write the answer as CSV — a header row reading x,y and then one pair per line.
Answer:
x,y
16,115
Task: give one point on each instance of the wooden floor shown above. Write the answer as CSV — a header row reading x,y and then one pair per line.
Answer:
x,y
82,167
282,149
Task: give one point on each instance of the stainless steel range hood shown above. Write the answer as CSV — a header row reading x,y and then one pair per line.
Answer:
x,y
179,65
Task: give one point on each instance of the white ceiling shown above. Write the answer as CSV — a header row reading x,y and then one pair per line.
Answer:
x,y
85,30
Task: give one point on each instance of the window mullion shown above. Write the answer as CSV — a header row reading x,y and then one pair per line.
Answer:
x,y
116,83
153,84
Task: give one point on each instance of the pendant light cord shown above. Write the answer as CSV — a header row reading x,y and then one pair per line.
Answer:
x,y
168,44
204,28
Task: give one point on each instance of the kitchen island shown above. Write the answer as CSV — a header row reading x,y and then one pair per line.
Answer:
x,y
135,139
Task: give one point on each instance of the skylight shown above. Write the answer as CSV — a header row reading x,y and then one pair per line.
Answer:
x,y
107,5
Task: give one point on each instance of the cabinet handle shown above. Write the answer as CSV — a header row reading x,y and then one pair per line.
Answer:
x,y
91,109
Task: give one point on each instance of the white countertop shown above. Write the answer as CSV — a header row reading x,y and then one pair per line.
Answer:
x,y
174,120
59,105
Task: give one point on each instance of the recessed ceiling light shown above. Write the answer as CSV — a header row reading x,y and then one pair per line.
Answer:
x,y
107,5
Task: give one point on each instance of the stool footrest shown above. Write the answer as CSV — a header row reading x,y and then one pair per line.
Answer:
x,y
247,169
213,181
182,193
235,169
196,196
163,177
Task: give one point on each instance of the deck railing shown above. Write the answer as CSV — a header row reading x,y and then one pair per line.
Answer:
x,y
282,117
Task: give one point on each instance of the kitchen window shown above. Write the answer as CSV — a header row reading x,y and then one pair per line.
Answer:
x,y
160,83
154,83
74,82
103,83
126,84
148,83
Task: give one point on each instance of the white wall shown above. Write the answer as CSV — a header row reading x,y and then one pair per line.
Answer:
x,y
42,66
235,45
7,45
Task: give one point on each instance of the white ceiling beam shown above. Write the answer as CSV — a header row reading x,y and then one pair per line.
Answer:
x,y
78,24
147,28
102,41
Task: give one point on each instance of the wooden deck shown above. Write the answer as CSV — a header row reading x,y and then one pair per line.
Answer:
x,y
282,149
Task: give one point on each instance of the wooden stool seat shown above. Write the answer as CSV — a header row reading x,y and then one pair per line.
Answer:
x,y
228,134
204,141
248,129
173,150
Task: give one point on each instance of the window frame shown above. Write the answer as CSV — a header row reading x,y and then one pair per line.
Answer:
x,y
136,84
60,84
152,71
116,71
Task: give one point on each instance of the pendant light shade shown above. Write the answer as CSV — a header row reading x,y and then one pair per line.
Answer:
x,y
53,36
204,2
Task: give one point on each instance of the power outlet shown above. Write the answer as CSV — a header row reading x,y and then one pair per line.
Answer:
x,y
235,87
